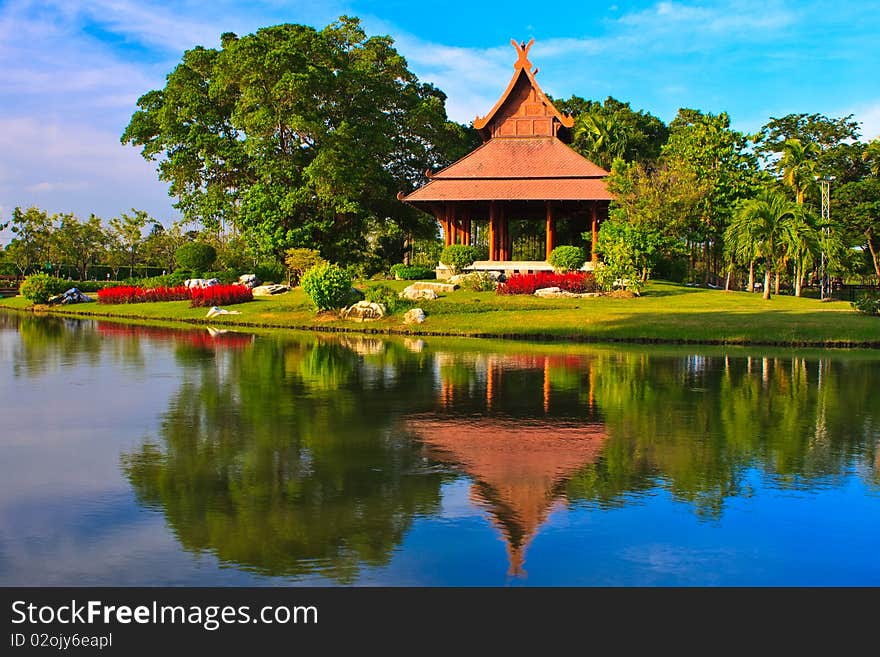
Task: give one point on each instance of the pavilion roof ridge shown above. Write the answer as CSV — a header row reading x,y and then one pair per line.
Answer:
x,y
522,66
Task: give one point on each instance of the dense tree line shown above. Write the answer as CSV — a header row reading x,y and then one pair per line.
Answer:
x,y
297,138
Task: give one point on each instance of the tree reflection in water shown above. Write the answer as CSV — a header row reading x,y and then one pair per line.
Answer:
x,y
308,454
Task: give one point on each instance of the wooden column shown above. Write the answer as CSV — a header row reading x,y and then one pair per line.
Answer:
x,y
466,230
594,231
492,231
503,235
551,231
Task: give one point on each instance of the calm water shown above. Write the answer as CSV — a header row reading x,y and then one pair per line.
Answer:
x,y
136,456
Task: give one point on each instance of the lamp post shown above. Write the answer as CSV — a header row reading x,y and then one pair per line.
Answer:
x,y
825,187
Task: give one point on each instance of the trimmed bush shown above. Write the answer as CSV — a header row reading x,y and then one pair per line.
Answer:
x,y
868,304
327,285
527,283
459,257
37,288
478,281
567,258
403,272
196,256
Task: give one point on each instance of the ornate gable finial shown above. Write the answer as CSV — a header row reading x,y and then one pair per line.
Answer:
x,y
522,51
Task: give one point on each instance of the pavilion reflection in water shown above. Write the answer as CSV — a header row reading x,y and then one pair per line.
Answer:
x,y
519,455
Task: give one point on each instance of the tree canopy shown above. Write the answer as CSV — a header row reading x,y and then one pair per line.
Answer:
x,y
296,136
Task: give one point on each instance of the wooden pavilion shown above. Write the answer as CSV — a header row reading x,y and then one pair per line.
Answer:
x,y
524,190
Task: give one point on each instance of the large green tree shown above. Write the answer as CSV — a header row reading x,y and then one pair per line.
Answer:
x,y
31,243
858,203
298,137
611,129
720,160
80,243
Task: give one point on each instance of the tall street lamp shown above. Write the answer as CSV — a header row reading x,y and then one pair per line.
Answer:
x,y
825,186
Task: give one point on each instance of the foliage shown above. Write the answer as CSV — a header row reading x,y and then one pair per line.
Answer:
x,y
527,283
220,295
477,281
567,258
134,294
611,129
299,137
269,270
125,240
37,288
426,252
868,304
459,257
758,231
196,256
31,230
404,272
299,261
798,166
859,204
386,296
622,249
81,243
327,285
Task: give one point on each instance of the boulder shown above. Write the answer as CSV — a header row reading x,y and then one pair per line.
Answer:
x,y
364,311
249,280
555,292
414,316
200,282
439,288
266,290
495,276
413,294
73,295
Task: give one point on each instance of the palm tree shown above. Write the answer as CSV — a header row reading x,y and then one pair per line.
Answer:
x,y
798,165
801,240
600,138
760,226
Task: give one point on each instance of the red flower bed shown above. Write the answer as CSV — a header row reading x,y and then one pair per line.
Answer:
x,y
129,294
221,295
216,295
528,283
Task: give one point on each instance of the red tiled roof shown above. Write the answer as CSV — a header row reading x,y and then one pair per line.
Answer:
x,y
515,168
512,189
519,157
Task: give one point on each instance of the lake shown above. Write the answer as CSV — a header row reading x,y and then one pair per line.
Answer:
x,y
155,456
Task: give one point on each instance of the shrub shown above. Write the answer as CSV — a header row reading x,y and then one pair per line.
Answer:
x,y
37,288
196,256
299,261
386,296
459,257
868,303
269,271
220,295
527,283
412,272
225,276
610,277
478,281
567,258
327,285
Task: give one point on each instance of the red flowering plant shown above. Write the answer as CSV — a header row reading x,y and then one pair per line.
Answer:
x,y
220,295
527,283
131,294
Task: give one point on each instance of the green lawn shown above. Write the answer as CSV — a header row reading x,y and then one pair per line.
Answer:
x,y
665,313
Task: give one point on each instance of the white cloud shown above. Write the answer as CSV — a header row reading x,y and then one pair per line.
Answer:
x,y
869,116
47,186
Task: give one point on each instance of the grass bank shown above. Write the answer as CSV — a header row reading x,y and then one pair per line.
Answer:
x,y
666,313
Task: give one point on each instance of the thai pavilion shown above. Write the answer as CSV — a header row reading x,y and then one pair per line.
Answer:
x,y
524,190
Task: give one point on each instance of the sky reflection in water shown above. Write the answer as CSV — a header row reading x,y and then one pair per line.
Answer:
x,y
151,456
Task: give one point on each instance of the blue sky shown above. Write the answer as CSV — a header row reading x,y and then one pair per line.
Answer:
x,y
71,71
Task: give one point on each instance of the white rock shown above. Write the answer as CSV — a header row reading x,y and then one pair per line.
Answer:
x,y
414,316
266,290
364,311
249,280
548,292
200,282
214,311
414,294
439,288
